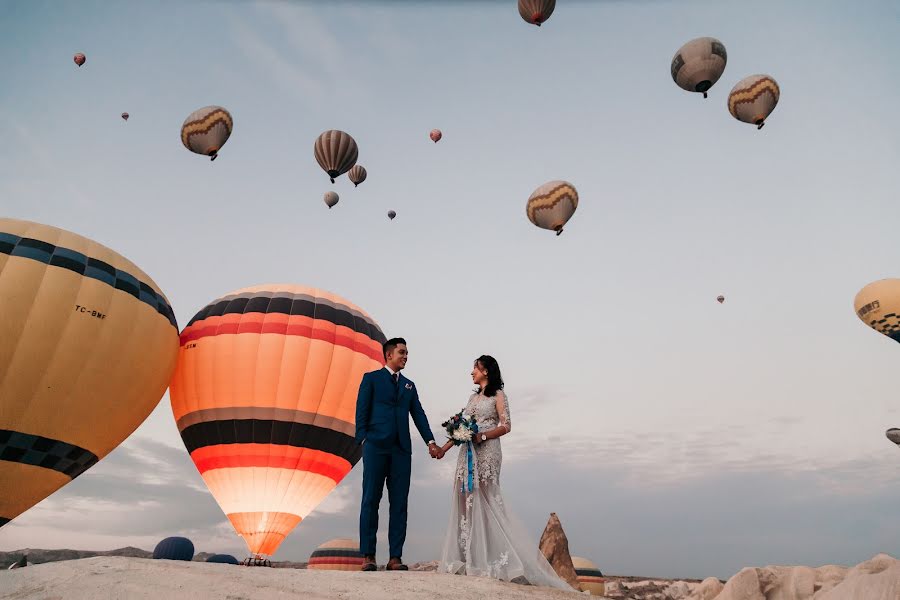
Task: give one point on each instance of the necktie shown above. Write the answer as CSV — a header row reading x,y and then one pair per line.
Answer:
x,y
396,378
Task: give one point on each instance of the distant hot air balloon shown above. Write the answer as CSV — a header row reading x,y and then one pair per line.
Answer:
x,y
893,434
878,306
336,152
223,559
88,344
435,135
79,58
357,174
699,64
720,299
536,11
340,554
206,130
391,215
174,548
552,205
753,99
589,576
125,116
331,199
264,396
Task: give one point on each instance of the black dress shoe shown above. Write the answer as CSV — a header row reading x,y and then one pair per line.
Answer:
x,y
369,564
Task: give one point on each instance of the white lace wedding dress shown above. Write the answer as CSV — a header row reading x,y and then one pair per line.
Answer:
x,y
483,537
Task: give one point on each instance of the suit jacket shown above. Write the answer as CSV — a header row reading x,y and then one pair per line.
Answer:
x,y
383,411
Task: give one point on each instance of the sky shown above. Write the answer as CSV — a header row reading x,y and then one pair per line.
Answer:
x,y
674,436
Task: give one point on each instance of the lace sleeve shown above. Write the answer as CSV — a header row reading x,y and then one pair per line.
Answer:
x,y
503,411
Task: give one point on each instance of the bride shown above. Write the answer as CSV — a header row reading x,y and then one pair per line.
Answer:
x,y
483,537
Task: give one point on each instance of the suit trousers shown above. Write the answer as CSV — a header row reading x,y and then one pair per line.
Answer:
x,y
394,466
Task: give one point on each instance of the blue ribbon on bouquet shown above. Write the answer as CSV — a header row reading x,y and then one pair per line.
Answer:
x,y
469,484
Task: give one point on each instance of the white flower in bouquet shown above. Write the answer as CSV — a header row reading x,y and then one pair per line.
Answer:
x,y
462,434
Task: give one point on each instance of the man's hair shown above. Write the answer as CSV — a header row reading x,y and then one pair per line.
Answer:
x,y
390,345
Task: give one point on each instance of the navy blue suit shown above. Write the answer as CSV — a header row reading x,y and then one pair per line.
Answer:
x,y
382,422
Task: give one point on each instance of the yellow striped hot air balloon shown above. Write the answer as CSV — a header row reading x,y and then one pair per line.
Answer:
x,y
552,205
88,344
589,576
753,99
206,130
878,306
264,395
339,554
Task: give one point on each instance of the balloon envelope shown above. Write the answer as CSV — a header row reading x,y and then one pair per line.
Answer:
x,y
391,215
331,198
206,130
435,135
536,11
174,548
79,59
88,344
720,299
336,152
753,99
264,396
878,306
589,576
125,116
357,175
340,554
699,64
225,559
552,205
893,434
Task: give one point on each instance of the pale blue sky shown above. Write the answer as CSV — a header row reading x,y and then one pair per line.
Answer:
x,y
673,435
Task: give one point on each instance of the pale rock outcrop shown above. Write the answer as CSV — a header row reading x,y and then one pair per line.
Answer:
x,y
709,589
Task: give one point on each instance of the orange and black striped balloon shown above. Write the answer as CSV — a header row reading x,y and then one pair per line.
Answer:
x,y
340,554
88,344
589,576
264,395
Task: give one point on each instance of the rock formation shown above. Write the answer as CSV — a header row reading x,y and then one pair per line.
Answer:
x,y
555,547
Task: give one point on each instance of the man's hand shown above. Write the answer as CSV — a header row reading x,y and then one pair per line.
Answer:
x,y
433,450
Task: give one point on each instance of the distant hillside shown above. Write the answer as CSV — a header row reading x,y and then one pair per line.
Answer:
x,y
37,556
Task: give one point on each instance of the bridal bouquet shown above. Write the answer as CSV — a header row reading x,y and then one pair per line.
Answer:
x,y
460,429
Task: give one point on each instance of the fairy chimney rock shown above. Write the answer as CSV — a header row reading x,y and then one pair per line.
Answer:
x,y
555,547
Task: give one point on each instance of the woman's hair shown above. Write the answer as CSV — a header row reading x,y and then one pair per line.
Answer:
x,y
494,379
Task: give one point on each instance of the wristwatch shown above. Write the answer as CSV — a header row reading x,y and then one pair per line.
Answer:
x,y
483,437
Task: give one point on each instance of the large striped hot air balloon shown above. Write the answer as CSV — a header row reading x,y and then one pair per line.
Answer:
x,y
206,130
340,554
88,344
753,99
336,152
589,576
264,395
699,64
552,205
878,306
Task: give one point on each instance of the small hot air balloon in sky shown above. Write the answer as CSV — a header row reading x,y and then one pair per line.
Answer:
x,y
590,578
878,306
206,130
753,99
435,135
340,554
699,64
125,116
552,205
336,152
720,299
88,344
331,199
79,59
893,434
536,11
264,396
391,215
357,174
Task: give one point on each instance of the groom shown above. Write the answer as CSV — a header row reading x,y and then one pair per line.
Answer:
x,y
385,401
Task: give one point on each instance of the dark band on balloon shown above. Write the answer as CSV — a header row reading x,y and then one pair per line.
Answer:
x,y
93,268
285,433
335,553
39,451
229,413
588,573
292,304
4,521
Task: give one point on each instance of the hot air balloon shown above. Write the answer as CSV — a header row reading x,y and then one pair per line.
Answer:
x,y
223,559
174,548
79,58
720,299
552,205
88,344
391,215
206,130
878,306
125,116
331,199
589,576
435,135
264,396
753,99
357,174
893,434
336,152
340,554
698,64
536,11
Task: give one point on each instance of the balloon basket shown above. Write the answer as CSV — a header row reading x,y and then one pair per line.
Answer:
x,y
256,561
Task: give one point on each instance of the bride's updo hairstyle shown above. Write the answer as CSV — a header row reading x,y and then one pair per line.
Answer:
x,y
495,380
